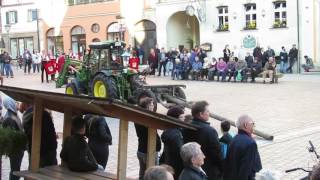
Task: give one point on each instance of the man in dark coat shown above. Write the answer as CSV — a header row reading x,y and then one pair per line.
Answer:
x,y
293,56
243,159
48,149
257,53
173,140
255,69
99,138
208,138
75,149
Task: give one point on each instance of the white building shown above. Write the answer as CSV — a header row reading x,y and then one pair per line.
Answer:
x,y
19,26
239,23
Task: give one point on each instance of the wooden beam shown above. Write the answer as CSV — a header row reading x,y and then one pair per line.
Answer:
x,y
36,134
122,150
67,123
152,142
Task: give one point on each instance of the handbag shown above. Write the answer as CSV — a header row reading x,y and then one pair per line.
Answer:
x,y
239,77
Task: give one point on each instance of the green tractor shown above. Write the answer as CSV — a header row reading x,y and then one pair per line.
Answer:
x,y
103,75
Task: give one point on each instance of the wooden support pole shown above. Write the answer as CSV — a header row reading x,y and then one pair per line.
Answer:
x,y
122,150
36,134
67,123
152,142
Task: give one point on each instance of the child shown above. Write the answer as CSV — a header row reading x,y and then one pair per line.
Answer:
x,y
226,138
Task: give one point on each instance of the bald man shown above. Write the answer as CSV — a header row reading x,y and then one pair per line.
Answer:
x,y
243,159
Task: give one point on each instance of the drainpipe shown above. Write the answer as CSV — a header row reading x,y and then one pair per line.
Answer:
x,y
315,37
298,31
38,34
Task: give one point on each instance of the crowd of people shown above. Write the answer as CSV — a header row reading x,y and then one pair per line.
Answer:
x,y
236,65
186,154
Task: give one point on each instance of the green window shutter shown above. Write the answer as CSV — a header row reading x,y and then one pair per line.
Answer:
x,y
16,17
7,17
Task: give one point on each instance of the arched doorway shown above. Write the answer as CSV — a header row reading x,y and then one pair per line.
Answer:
x,y
115,31
78,40
54,42
145,35
183,31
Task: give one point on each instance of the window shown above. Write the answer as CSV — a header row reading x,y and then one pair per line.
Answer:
x,y
223,18
280,14
32,15
251,16
11,17
113,32
75,2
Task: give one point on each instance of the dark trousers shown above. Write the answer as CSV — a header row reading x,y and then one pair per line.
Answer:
x,y
223,74
185,75
42,73
231,74
254,74
15,163
162,64
211,74
101,154
204,73
27,65
291,63
49,158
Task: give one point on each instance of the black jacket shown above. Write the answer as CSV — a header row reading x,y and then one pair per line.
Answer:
x,y
98,131
257,66
9,121
191,173
293,53
142,133
243,159
77,154
172,140
207,137
48,132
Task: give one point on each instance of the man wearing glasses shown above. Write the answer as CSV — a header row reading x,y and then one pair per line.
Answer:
x,y
243,159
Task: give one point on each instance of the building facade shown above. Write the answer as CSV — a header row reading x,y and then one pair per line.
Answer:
x,y
240,24
83,22
19,26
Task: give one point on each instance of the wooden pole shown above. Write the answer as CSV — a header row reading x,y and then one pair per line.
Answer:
x,y
152,141
122,150
36,134
215,116
67,123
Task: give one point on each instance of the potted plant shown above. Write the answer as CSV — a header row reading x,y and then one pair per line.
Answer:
x,y
251,25
277,23
11,142
223,27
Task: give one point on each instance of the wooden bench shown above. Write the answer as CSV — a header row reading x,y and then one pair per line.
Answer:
x,y
60,172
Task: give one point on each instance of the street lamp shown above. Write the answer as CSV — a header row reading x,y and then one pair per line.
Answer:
x,y
7,27
121,26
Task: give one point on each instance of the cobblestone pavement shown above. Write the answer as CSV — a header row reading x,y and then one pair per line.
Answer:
x,y
288,110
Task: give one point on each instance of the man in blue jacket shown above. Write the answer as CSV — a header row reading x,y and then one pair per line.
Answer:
x,y
243,159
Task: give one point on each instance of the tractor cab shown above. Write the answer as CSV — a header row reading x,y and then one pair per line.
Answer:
x,y
105,56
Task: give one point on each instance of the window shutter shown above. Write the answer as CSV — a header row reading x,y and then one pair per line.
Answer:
x,y
16,16
7,17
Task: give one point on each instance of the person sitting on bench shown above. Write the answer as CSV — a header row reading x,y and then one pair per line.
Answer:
x,y
75,149
255,69
269,68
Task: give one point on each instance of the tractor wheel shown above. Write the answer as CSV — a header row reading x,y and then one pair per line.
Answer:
x,y
71,89
104,87
142,93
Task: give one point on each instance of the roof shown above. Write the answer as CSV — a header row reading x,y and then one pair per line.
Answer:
x,y
106,44
107,107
